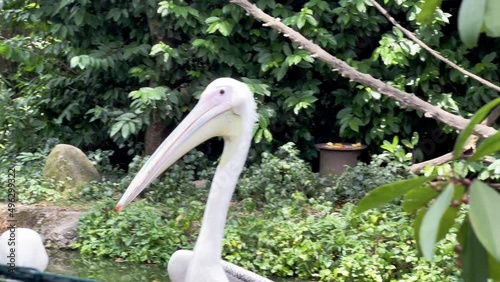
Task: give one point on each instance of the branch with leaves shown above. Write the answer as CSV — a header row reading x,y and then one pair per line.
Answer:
x,y
405,100
492,117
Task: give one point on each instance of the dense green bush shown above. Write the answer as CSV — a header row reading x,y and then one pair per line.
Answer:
x,y
30,186
298,237
311,239
141,233
277,176
356,181
273,228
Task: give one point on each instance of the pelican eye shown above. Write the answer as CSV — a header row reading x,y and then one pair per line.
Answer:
x,y
222,91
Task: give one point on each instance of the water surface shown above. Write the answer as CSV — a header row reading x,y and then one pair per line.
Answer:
x,y
71,263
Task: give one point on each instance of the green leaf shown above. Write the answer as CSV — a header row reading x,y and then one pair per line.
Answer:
x,y
491,18
75,61
354,124
311,20
388,192
213,27
448,218
483,213
262,121
474,264
476,119
115,128
417,198
470,21
428,8
428,232
258,135
125,130
211,20
446,222
282,71
157,48
301,21
490,57
225,28
416,227
493,268
79,17
268,135
487,147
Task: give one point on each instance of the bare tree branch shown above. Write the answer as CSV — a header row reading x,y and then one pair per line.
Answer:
x,y
469,145
406,100
432,51
472,140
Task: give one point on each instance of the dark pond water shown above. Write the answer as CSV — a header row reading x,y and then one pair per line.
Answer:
x,y
106,270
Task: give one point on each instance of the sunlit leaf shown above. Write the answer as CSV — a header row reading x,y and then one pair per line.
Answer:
x,y
386,193
429,229
470,21
428,8
268,135
74,61
483,213
487,147
258,135
301,21
476,119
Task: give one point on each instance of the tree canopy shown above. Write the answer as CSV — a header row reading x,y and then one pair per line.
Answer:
x,y
99,74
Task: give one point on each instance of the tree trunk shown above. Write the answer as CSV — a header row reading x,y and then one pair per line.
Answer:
x,y
155,132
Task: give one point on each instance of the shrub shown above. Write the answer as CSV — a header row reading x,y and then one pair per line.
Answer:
x,y
278,176
99,190
30,186
310,239
101,160
280,225
357,181
141,233
297,237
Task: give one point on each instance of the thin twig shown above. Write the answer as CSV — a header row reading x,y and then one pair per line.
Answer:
x,y
472,140
432,51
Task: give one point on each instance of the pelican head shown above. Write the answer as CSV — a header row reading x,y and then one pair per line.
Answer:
x,y
226,108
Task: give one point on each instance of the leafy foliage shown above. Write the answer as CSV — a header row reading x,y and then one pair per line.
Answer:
x,y
140,233
146,61
277,176
480,255
273,227
357,181
317,241
474,17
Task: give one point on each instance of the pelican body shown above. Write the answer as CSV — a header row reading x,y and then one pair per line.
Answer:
x,y
226,108
22,247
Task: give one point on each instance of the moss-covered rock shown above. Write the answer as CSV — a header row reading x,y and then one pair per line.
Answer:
x,y
70,165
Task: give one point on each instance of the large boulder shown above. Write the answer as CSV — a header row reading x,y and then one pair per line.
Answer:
x,y
71,166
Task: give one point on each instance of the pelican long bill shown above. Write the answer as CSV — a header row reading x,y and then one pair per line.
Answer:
x,y
199,126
